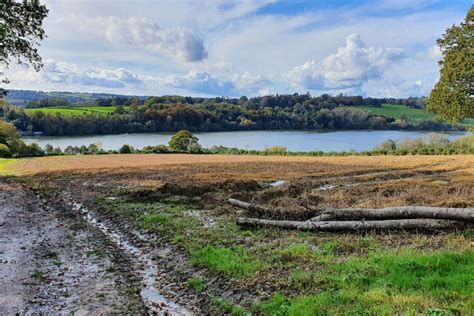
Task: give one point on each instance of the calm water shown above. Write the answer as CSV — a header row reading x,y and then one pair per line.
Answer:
x,y
293,140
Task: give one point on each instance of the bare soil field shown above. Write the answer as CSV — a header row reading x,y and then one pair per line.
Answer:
x,y
168,218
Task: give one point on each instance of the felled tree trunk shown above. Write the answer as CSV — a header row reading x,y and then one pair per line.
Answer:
x,y
401,212
254,208
462,214
402,224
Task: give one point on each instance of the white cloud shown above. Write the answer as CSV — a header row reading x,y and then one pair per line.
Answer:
x,y
396,88
248,82
200,81
67,73
204,82
349,68
178,42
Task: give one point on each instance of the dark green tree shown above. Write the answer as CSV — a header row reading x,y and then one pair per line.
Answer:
x,y
126,149
452,98
183,141
21,30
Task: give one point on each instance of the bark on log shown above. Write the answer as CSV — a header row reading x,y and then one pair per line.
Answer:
x,y
403,224
256,209
401,212
461,214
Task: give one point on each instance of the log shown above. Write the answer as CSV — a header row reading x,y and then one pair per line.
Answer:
x,y
256,209
400,212
402,224
460,214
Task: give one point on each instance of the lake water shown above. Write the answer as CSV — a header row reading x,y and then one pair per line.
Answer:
x,y
293,140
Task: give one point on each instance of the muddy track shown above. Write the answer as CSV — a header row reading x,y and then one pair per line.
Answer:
x,y
135,247
51,263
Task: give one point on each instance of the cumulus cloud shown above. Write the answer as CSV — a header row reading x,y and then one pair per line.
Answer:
x,y
68,73
178,42
396,88
200,81
249,82
204,82
349,68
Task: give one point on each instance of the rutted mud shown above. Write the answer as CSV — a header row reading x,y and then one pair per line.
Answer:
x,y
51,264
150,295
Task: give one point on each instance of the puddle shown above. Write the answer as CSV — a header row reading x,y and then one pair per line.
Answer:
x,y
150,295
326,187
278,183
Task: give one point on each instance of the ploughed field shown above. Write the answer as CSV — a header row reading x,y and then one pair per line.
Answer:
x,y
174,207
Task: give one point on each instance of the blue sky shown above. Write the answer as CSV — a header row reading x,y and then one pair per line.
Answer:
x,y
249,47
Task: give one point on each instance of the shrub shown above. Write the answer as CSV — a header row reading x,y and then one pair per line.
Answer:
x,y
5,151
126,149
159,149
386,146
276,150
31,150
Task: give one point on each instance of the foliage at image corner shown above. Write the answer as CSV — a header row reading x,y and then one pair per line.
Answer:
x,y
452,98
21,30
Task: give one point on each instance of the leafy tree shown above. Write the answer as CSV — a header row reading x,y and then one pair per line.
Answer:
x,y
183,141
8,133
21,29
126,149
48,149
452,97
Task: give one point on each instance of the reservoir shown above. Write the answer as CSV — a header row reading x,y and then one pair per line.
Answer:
x,y
293,140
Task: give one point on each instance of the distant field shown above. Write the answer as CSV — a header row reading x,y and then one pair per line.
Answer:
x,y
74,111
396,111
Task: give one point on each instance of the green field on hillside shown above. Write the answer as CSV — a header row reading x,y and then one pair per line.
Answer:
x,y
396,111
413,115
74,111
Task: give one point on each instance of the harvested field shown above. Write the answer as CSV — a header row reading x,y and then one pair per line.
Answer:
x,y
26,166
174,209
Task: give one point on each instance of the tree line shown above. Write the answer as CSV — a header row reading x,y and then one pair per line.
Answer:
x,y
173,113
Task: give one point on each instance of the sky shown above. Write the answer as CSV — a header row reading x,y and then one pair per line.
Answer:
x,y
249,47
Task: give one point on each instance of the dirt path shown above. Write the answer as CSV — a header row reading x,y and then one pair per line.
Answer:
x,y
53,263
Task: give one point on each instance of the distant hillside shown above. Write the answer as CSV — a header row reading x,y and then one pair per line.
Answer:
x,y
22,97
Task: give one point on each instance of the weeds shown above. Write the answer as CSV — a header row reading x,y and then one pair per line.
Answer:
x,y
196,283
233,262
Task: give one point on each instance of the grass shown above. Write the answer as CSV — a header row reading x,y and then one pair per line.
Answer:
x,y
73,111
5,165
413,115
196,283
234,262
353,275
385,284
396,111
